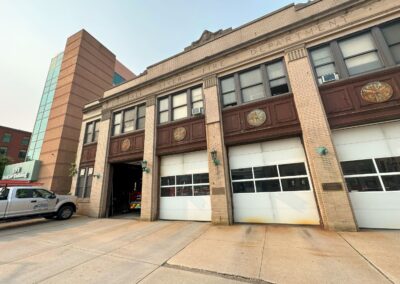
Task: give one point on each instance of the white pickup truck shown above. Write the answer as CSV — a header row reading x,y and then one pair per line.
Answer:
x,y
18,202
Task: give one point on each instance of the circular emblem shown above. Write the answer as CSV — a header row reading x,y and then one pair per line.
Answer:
x,y
179,133
376,92
125,145
256,117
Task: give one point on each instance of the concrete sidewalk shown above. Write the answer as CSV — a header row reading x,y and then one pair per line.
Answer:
x,y
85,250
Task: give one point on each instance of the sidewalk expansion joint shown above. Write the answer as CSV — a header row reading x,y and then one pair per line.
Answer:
x,y
367,260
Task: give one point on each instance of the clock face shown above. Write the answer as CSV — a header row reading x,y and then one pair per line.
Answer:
x,y
179,133
376,92
256,117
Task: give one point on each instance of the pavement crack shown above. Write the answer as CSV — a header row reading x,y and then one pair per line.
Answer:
x,y
262,253
217,274
367,260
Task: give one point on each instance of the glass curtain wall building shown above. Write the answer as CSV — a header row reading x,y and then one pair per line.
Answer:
x,y
42,117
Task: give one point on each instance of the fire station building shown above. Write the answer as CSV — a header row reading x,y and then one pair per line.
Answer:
x,y
293,118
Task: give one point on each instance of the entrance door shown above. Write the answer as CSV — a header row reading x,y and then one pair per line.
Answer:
x,y
126,192
271,183
370,159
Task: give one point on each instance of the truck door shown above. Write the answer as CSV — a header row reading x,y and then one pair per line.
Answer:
x,y
24,202
46,203
3,201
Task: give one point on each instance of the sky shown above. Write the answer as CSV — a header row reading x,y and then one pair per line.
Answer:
x,y
139,33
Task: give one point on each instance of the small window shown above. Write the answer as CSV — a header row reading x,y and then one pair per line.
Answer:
x,y
184,179
3,151
6,138
391,182
360,54
164,110
141,117
42,193
179,106
84,184
129,120
363,184
358,167
392,37
168,180
117,128
251,84
24,193
297,169
184,191
245,173
25,141
4,193
243,187
295,184
197,98
278,83
265,172
22,154
92,131
167,191
323,61
268,185
228,91
387,165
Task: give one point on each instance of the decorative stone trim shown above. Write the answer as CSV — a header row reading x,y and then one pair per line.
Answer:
x,y
210,81
151,101
105,114
296,53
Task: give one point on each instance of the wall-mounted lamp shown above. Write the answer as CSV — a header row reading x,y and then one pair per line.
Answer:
x,y
144,166
97,176
214,157
322,151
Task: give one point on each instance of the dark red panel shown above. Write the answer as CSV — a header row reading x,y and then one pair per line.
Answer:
x,y
281,121
345,107
195,138
127,147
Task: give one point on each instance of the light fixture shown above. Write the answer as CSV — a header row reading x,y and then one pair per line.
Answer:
x,y
214,157
322,151
144,166
97,176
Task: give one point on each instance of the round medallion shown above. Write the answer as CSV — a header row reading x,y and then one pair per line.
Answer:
x,y
256,117
179,133
376,92
125,145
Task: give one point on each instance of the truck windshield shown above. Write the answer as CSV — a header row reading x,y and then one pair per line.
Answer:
x,y
4,193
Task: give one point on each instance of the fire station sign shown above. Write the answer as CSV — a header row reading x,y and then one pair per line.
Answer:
x,y
22,171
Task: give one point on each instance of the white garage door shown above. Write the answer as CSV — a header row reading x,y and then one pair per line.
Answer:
x,y
185,189
271,184
370,158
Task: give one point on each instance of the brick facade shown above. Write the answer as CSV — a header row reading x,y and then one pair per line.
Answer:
x,y
16,143
286,34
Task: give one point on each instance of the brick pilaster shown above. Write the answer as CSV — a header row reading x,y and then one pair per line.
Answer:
x,y
334,205
149,182
219,176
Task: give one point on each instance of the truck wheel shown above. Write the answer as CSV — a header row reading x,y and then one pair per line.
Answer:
x,y
65,212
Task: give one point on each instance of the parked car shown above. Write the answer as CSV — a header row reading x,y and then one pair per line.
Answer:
x,y
18,202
